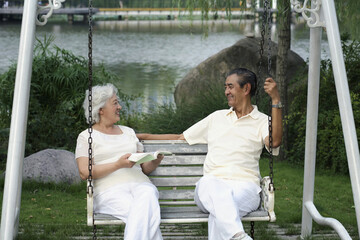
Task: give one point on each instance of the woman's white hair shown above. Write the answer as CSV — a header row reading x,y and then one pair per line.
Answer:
x,y
100,95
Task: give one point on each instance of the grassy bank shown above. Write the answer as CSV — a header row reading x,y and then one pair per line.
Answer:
x,y
50,211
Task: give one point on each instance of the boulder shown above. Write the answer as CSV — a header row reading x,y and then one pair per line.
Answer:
x,y
51,165
244,53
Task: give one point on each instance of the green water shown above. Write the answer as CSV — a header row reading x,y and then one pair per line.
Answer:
x,y
150,57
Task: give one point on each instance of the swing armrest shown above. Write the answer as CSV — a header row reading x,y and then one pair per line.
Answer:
x,y
90,208
268,197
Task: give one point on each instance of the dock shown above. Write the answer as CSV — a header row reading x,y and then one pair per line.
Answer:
x,y
16,13
125,13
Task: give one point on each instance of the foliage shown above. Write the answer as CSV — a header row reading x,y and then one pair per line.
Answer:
x,y
347,12
58,83
171,119
331,152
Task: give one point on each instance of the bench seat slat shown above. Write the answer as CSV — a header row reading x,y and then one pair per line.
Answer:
x,y
174,182
183,160
177,203
188,213
178,171
179,194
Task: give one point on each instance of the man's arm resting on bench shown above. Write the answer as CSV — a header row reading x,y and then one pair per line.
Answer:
x,y
147,136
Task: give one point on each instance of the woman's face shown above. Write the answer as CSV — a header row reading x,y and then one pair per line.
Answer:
x,y
111,111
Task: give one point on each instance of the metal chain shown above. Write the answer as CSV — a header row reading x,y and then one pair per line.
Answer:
x,y
266,19
252,230
271,162
262,42
90,120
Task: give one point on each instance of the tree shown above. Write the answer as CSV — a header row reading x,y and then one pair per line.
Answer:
x,y
284,39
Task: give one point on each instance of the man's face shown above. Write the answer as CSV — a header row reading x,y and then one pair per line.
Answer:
x,y
234,93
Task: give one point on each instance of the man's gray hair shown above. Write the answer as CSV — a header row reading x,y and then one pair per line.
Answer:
x,y
100,95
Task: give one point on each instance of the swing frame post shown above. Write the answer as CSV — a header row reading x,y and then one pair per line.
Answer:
x,y
343,96
16,149
14,165
323,14
311,126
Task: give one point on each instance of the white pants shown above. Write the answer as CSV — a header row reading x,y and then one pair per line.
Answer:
x,y
226,201
137,205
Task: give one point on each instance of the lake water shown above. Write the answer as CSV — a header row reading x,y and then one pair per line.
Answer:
x,y
150,57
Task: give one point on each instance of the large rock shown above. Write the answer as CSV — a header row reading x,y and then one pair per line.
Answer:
x,y
51,165
244,53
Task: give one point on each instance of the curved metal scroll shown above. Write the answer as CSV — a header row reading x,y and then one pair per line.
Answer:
x,y
53,4
311,15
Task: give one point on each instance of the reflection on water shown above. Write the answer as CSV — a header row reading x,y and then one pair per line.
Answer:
x,y
153,82
175,26
150,57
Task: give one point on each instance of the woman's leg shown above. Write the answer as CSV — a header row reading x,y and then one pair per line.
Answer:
x,y
115,201
137,205
144,216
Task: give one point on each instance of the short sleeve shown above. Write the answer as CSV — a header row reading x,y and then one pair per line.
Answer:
x,y
139,147
129,131
82,146
198,133
265,133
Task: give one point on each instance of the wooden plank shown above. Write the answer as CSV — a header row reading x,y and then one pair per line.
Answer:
x,y
179,194
178,171
179,148
179,214
177,203
174,182
183,160
182,212
149,142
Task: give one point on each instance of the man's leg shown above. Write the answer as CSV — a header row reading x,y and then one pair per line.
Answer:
x,y
226,203
216,197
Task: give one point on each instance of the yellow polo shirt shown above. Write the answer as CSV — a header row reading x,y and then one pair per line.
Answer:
x,y
234,144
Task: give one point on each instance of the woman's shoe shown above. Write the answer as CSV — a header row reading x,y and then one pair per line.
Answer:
x,y
241,236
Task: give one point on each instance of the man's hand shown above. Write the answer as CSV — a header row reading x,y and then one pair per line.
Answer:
x,y
271,89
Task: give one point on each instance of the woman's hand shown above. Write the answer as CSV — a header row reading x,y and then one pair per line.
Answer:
x,y
102,170
148,167
160,157
124,161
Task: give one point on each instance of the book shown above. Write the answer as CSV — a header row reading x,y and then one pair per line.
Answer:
x,y
146,157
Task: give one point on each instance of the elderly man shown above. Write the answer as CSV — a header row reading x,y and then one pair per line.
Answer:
x,y
236,137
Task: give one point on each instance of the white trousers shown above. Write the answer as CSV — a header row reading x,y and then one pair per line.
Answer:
x,y
226,201
137,205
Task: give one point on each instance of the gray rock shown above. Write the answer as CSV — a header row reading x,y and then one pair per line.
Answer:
x,y
244,53
51,165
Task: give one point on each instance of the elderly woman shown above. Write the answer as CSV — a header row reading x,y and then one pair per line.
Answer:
x,y
121,188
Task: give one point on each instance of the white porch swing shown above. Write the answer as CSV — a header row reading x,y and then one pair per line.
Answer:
x,y
321,14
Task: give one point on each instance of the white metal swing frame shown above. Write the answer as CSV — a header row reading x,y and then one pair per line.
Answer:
x,y
320,14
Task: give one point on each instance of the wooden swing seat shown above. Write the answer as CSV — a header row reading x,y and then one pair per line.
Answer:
x,y
175,179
